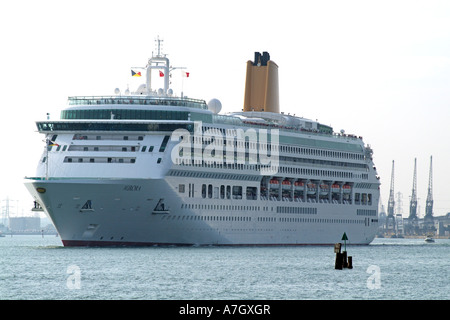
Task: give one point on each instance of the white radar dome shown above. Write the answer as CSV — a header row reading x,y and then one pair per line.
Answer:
x,y
142,89
116,90
214,106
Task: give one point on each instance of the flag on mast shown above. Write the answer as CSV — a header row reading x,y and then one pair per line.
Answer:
x,y
161,74
135,74
186,74
51,143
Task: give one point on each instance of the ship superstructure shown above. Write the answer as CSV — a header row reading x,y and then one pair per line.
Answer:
x,y
150,167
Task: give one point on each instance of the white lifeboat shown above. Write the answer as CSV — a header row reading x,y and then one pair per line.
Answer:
x,y
286,184
324,189
299,185
311,188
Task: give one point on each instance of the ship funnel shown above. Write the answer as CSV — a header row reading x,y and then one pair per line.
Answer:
x,y
261,85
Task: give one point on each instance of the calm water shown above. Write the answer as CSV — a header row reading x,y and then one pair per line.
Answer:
x,y
32,267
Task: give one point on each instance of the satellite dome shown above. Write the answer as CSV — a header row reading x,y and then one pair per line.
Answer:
x,y
117,91
142,89
214,106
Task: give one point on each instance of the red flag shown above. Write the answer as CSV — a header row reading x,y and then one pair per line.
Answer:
x,y
161,74
186,74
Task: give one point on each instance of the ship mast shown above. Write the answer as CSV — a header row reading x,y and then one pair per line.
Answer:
x,y
155,63
161,63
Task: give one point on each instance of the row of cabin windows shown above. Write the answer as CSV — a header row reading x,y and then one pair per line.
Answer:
x,y
235,192
103,148
227,192
323,153
100,160
125,114
248,218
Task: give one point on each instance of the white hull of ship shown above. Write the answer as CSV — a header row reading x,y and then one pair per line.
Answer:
x,y
129,212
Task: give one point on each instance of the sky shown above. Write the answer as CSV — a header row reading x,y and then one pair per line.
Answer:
x,y
377,69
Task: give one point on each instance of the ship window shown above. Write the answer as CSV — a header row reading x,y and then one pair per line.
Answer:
x,y
237,192
125,138
164,143
181,188
210,190
150,149
159,160
203,190
144,148
228,192
251,193
64,148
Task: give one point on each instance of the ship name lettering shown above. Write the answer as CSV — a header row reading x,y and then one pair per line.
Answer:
x,y
131,187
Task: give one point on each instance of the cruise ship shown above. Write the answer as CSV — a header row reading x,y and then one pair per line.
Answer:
x,y
151,167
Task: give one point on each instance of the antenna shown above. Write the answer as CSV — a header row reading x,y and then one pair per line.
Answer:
x,y
158,46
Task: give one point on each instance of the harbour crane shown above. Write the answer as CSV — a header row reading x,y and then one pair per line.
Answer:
x,y
390,219
413,220
428,219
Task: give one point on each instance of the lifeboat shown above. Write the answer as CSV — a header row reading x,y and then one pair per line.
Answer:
x,y
286,184
335,188
299,185
311,188
324,189
347,188
273,183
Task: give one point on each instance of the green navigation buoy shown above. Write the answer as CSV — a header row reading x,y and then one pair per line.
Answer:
x,y
344,237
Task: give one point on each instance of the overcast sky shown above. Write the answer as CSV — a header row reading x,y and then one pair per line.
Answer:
x,y
377,69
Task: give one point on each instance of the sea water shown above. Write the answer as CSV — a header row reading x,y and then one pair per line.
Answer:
x,y
36,268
